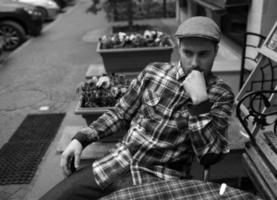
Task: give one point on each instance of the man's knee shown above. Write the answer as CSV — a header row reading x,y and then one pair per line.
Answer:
x,y
77,186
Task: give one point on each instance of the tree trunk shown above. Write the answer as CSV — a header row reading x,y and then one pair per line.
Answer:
x,y
115,14
130,14
164,8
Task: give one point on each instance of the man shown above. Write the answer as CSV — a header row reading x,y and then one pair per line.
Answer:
x,y
174,113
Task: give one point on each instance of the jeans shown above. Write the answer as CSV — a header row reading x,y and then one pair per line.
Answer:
x,y
80,185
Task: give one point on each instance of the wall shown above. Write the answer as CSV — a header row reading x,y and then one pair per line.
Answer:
x,y
261,17
185,9
269,16
255,16
254,23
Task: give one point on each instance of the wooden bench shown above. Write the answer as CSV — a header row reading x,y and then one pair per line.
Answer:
x,y
260,161
260,156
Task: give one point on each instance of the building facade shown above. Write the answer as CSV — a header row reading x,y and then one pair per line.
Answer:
x,y
235,17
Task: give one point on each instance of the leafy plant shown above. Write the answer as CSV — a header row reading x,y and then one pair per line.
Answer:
x,y
102,91
113,7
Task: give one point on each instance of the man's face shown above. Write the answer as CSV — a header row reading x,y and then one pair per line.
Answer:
x,y
197,53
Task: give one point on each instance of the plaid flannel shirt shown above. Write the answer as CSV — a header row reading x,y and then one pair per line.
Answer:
x,y
165,130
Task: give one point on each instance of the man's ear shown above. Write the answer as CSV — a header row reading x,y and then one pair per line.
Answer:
x,y
216,48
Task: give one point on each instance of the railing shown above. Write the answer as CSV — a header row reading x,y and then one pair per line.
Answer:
x,y
259,117
262,77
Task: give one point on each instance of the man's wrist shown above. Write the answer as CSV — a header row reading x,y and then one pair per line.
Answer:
x,y
86,135
200,108
82,138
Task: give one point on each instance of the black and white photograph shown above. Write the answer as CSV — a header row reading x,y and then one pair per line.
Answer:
x,y
138,99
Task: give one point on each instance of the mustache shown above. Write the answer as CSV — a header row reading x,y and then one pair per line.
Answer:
x,y
195,68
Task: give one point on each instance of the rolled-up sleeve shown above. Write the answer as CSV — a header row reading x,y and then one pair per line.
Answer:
x,y
207,130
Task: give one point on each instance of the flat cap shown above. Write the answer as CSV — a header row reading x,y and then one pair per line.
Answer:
x,y
199,26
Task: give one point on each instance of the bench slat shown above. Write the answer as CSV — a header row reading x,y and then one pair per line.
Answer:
x,y
256,178
267,153
262,169
272,140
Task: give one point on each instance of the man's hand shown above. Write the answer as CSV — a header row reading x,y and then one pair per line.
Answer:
x,y
72,151
195,85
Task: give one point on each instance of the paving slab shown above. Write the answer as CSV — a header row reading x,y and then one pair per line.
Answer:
x,y
95,70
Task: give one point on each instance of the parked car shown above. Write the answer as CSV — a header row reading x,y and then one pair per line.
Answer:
x,y
48,8
17,21
70,2
63,3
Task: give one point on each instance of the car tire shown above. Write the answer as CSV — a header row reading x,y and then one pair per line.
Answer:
x,y
14,34
43,13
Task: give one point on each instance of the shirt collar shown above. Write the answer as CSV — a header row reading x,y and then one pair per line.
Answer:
x,y
179,71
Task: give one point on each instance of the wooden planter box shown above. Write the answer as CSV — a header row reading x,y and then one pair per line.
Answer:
x,y
89,114
133,59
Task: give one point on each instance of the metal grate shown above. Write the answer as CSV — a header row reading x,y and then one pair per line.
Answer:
x,y
21,155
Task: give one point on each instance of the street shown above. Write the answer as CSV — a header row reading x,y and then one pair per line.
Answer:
x,y
45,71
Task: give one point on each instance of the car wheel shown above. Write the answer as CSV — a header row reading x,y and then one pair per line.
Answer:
x,y
13,33
43,13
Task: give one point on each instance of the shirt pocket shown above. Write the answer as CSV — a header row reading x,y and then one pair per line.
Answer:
x,y
151,98
151,101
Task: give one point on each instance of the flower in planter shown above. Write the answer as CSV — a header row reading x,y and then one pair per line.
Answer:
x,y
102,91
150,38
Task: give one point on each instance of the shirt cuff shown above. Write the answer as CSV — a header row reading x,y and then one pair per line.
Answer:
x,y
86,136
201,108
82,138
